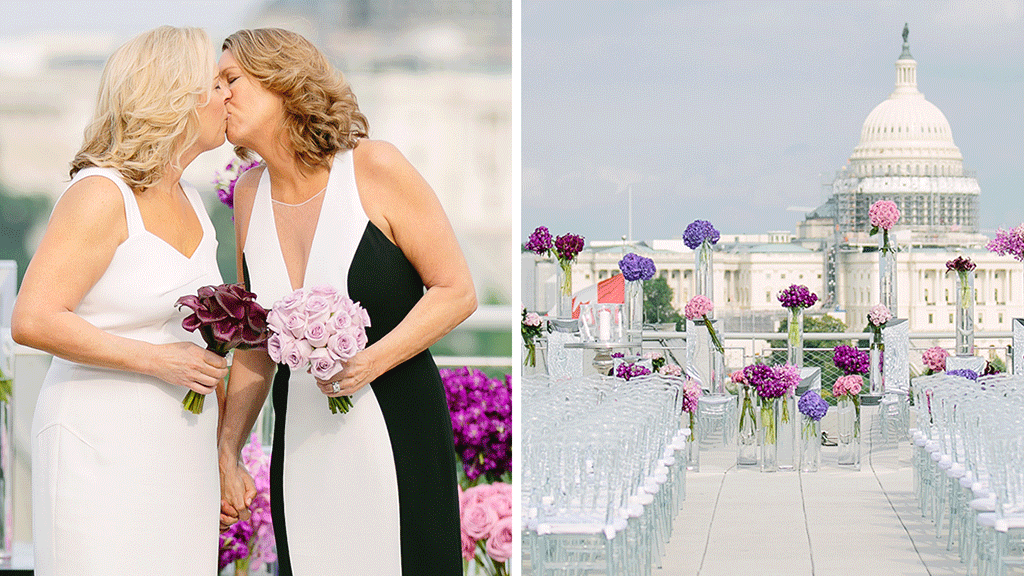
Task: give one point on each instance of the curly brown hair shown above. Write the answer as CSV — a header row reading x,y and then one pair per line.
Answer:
x,y
321,113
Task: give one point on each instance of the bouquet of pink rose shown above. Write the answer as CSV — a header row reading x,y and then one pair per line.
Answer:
x,y
319,328
486,514
227,316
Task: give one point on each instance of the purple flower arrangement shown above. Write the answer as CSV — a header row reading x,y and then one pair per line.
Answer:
x,y
250,543
540,241
481,410
851,360
699,232
224,182
797,296
772,382
960,264
963,373
1009,242
812,405
635,267
628,370
568,247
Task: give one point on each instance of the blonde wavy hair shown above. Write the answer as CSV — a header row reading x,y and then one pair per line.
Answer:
x,y
321,113
146,112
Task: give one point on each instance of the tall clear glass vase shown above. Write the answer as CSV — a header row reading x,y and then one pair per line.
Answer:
x,y
887,273
965,313
788,451
795,340
810,444
634,297
702,270
746,438
564,289
703,359
693,446
876,378
848,417
769,428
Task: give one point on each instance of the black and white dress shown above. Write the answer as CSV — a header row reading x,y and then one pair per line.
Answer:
x,y
372,491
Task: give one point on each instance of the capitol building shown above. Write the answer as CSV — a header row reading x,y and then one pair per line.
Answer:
x,y
906,154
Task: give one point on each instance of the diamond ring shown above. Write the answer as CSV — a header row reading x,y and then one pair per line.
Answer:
x,y
336,387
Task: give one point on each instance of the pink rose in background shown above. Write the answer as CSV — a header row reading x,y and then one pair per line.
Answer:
x,y
532,319
934,358
478,520
316,334
738,377
884,214
671,370
499,542
879,315
849,385
698,307
501,502
322,365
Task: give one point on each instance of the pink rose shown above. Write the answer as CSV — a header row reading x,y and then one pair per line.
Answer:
x,y
274,348
532,319
330,293
323,365
361,339
501,503
275,320
317,308
884,214
879,314
935,358
499,543
291,302
316,334
468,546
342,346
847,385
297,355
671,370
364,316
340,321
698,307
478,520
295,324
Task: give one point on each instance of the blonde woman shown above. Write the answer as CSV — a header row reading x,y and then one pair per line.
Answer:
x,y
124,480
372,491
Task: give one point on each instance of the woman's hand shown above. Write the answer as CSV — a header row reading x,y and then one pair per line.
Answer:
x,y
237,491
188,365
359,371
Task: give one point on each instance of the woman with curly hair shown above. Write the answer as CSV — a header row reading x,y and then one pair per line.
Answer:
x,y
113,451
372,491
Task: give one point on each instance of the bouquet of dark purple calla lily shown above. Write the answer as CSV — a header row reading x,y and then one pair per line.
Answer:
x,y
227,317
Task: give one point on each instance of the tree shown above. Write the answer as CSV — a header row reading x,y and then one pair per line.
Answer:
x,y
19,214
658,302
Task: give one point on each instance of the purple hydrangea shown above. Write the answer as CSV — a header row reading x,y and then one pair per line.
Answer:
x,y
1009,242
963,373
540,241
851,360
568,246
812,405
797,296
627,370
698,232
481,411
636,267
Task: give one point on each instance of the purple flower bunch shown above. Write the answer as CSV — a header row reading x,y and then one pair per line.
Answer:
x,y
481,410
691,395
963,373
636,267
224,182
812,405
699,232
772,381
797,296
627,370
320,328
252,539
851,360
960,264
540,241
1009,242
227,316
567,247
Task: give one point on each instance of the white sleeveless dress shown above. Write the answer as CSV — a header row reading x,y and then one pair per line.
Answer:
x,y
124,480
338,483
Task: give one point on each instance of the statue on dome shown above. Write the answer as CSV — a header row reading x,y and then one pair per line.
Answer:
x,y
906,32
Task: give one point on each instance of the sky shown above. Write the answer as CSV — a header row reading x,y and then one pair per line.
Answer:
x,y
737,112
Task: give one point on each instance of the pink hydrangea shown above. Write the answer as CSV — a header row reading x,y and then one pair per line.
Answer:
x,y
698,307
691,395
738,377
884,214
671,370
532,319
849,385
934,358
879,315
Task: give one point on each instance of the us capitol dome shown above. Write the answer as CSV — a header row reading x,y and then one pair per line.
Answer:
x,y
906,154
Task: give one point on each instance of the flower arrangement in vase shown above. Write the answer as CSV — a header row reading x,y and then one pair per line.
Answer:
x,y
532,328
485,511
847,391
883,215
773,384
796,298
813,408
565,249
934,359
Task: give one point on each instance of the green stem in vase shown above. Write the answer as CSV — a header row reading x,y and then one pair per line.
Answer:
x,y
531,355
748,409
965,290
714,335
785,408
566,286
768,420
856,411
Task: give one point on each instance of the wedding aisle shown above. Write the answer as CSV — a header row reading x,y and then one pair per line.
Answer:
x,y
834,522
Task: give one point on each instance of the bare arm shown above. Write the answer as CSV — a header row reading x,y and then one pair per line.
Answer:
x,y
85,229
401,203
